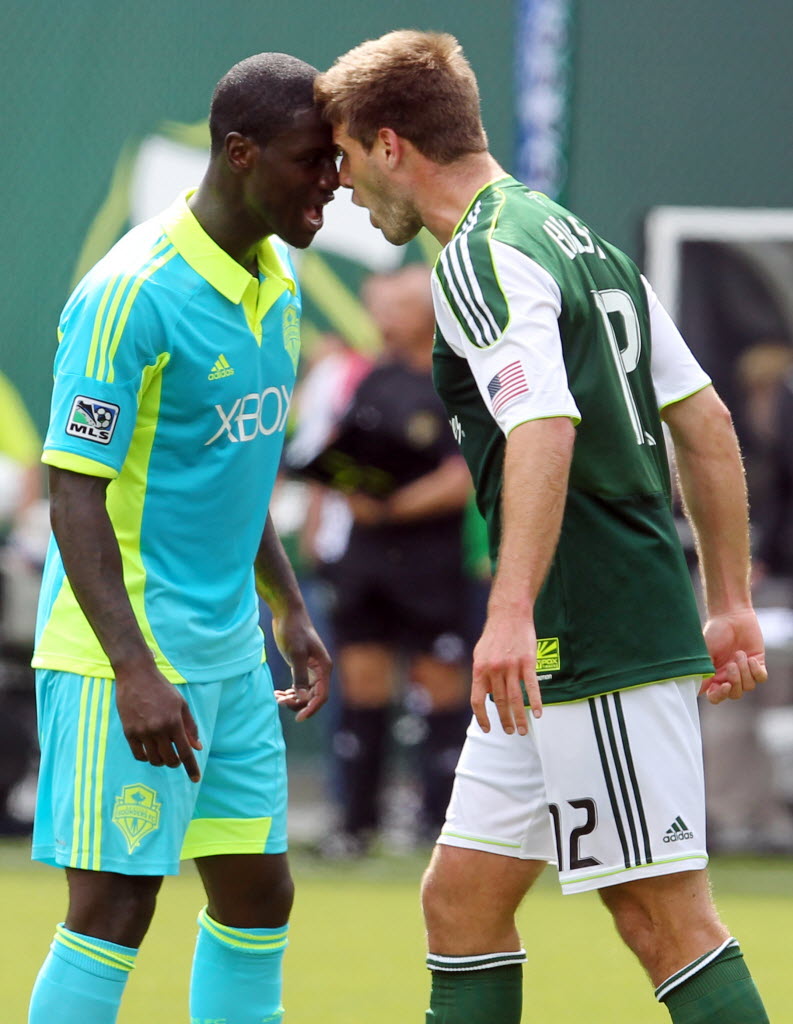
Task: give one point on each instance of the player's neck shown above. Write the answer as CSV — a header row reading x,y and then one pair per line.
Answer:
x,y
224,225
446,190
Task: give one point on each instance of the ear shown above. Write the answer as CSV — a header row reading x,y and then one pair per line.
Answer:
x,y
241,152
392,147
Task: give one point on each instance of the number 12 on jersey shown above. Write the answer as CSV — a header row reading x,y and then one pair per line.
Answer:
x,y
615,302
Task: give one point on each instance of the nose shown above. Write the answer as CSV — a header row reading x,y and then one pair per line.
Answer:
x,y
329,175
345,178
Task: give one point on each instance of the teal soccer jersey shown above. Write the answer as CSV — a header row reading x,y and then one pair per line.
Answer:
x,y
539,317
173,378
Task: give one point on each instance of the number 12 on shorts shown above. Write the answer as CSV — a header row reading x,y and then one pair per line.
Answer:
x,y
574,860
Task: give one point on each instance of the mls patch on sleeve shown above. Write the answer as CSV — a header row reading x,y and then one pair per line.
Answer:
x,y
92,420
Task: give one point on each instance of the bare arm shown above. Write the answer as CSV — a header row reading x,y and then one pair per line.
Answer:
x,y
156,719
536,469
714,492
440,492
294,633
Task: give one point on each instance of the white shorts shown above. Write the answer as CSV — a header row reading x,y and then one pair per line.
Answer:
x,y
610,789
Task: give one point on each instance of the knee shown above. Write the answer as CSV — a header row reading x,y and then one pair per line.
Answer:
x,y
117,908
277,900
252,893
637,926
668,918
438,907
469,900
453,908
264,904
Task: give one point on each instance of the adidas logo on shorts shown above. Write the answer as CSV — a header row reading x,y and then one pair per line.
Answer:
x,y
678,830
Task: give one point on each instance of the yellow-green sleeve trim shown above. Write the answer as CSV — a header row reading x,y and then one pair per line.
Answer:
x,y
575,420
77,464
696,391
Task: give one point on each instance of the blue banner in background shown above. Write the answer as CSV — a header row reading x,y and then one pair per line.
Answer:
x,y
543,64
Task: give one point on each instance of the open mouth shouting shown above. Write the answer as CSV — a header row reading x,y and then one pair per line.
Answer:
x,y
314,216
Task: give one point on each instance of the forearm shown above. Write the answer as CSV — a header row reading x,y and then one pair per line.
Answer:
x,y
443,491
92,562
536,469
275,578
713,487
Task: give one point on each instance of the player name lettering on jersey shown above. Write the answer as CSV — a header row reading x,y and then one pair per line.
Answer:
x,y
572,237
252,415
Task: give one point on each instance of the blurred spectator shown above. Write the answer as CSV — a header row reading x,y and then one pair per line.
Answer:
x,y
24,533
399,611
20,448
728,303
334,371
748,812
735,321
314,521
771,467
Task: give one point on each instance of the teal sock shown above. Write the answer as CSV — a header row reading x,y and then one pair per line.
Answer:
x,y
717,988
236,974
476,989
81,980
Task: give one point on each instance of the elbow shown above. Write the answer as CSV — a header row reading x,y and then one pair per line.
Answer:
x,y
563,435
699,422
568,431
718,415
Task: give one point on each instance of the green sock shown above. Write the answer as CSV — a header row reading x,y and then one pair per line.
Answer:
x,y
483,995
717,988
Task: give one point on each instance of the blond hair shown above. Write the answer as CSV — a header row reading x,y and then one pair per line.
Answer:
x,y
419,84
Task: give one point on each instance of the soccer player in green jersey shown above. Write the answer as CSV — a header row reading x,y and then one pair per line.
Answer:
x,y
558,366
158,720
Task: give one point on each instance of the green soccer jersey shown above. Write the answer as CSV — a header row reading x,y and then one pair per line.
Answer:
x,y
539,317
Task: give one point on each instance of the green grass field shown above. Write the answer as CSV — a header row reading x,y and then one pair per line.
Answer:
x,y
356,953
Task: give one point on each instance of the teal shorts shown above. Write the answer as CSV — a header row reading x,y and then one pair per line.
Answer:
x,y
101,810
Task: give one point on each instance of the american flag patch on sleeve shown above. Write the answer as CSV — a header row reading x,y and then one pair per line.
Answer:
x,y
507,384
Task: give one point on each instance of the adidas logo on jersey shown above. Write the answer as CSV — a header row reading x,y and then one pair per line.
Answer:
x,y
678,830
221,369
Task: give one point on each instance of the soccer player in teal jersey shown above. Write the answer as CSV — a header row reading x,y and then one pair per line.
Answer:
x,y
158,720
557,366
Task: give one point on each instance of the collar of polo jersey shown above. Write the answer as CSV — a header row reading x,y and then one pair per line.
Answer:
x,y
493,181
215,265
